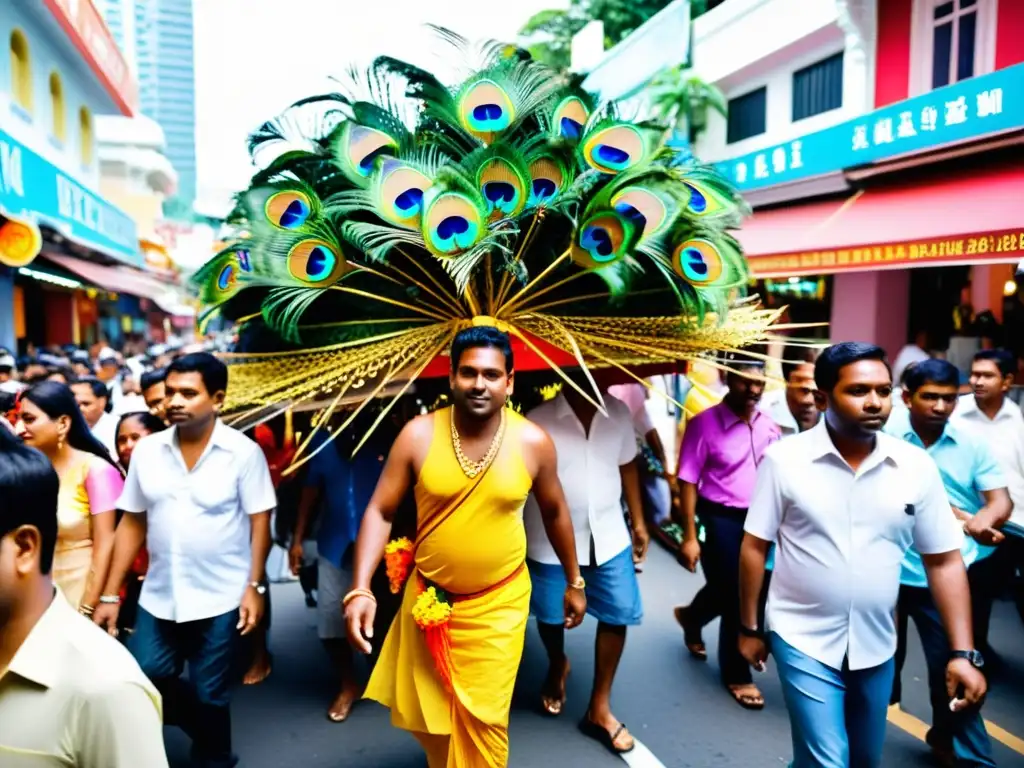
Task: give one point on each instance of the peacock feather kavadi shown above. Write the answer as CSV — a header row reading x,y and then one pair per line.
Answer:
x,y
407,209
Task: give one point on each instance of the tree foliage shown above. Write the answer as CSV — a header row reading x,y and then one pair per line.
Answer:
x,y
681,99
548,34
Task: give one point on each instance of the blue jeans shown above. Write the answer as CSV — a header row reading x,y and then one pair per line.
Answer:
x,y
837,716
964,731
199,707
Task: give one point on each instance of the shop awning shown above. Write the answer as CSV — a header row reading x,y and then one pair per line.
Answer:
x,y
966,218
120,280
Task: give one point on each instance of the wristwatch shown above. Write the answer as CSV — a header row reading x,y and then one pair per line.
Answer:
x,y
975,657
259,586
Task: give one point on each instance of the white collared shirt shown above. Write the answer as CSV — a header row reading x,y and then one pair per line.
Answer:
x,y
774,406
841,537
588,469
198,533
106,432
74,696
1004,436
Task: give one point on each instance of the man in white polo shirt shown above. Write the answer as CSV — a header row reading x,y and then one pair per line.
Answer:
x,y
596,467
200,496
994,418
844,503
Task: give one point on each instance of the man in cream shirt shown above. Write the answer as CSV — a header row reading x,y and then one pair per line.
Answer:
x,y
70,696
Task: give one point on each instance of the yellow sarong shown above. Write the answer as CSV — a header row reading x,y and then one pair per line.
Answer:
x,y
478,545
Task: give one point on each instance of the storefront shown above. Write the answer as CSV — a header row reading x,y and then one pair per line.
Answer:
x,y
44,213
924,229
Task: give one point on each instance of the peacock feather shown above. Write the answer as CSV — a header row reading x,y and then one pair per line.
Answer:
x,y
401,209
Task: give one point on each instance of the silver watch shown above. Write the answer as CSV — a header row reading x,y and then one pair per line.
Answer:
x,y
259,586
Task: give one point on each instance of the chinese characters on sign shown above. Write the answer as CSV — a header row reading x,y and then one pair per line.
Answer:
x,y
970,108
998,246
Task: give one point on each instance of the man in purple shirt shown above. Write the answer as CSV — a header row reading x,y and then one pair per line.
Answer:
x,y
721,450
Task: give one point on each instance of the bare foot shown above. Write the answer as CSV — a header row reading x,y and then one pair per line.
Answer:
x,y
342,705
552,695
618,736
259,670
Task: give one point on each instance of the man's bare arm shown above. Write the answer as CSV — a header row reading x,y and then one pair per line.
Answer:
x,y
753,556
985,525
387,497
129,537
554,510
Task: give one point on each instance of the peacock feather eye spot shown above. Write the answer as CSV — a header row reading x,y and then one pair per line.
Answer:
x,y
694,262
367,163
288,210
499,192
613,156
598,241
570,129
226,277
631,213
320,263
544,189
487,112
698,262
451,226
698,203
409,201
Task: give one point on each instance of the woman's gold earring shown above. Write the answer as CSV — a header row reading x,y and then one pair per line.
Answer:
x,y
60,442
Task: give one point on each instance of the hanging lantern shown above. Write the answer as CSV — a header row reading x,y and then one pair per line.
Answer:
x,y
20,242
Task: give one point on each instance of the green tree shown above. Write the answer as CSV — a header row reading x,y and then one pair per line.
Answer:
x,y
681,99
548,34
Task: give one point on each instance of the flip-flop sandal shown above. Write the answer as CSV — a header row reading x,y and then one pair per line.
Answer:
x,y
594,731
752,701
554,706
696,648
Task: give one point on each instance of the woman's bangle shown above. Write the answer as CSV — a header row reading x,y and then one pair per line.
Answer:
x,y
86,610
357,593
110,599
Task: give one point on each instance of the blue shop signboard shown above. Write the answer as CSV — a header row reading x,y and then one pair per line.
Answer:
x,y
32,187
971,108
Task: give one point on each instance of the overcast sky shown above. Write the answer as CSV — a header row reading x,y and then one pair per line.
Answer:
x,y
255,57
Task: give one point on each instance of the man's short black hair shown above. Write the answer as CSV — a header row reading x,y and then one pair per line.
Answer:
x,y
838,356
152,378
1003,359
99,389
28,494
482,336
212,371
793,356
930,371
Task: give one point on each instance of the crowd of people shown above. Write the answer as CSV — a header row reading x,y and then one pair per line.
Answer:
x,y
825,516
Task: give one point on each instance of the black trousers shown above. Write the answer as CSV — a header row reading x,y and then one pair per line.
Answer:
x,y
989,578
720,596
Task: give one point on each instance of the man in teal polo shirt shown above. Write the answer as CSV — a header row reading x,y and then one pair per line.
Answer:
x,y
977,492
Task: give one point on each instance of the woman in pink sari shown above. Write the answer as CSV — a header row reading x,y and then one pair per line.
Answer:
x,y
90,484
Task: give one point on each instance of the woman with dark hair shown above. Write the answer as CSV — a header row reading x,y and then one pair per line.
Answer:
x,y
90,483
131,428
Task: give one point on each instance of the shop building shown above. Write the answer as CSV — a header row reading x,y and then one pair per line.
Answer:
x,y
879,145
71,267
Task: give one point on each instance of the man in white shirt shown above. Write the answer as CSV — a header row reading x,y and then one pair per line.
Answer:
x,y
93,401
596,467
70,697
792,408
200,496
997,421
844,503
914,352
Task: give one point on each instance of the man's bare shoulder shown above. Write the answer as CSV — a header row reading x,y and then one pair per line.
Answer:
x,y
534,438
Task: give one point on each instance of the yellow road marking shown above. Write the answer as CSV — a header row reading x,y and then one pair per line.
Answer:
x,y
918,729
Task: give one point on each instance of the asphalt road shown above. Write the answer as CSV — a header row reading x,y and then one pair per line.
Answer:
x,y
674,705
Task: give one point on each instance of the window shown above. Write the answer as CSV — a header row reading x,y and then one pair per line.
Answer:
x,y
57,107
747,115
954,39
21,71
818,88
85,135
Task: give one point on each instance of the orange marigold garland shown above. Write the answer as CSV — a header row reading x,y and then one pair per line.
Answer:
x,y
398,558
432,613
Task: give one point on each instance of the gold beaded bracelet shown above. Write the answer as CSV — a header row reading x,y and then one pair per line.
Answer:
x,y
357,593
579,584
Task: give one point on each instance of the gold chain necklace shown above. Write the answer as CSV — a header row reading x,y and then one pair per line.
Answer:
x,y
474,468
